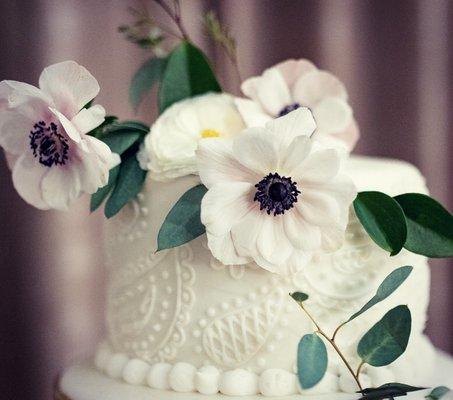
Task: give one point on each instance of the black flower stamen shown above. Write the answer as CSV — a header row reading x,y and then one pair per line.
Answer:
x,y
48,145
276,194
287,109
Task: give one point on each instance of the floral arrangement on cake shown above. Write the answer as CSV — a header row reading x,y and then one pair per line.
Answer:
x,y
272,189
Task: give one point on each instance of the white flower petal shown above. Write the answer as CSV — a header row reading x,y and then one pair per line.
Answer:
x,y
14,132
69,128
70,85
319,208
332,238
217,164
302,234
272,242
224,204
89,118
295,154
311,88
296,123
103,151
270,90
292,70
320,166
252,112
298,260
332,115
11,160
256,150
60,187
27,176
245,232
223,249
349,136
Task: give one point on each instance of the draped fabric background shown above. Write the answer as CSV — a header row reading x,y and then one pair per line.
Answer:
x,y
395,58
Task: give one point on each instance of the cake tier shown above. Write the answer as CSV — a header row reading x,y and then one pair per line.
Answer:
x,y
182,320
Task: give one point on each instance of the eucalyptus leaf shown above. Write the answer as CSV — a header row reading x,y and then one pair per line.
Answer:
x,y
385,289
388,391
437,393
311,360
144,79
429,225
98,197
128,126
383,219
129,183
186,74
182,223
387,339
119,142
299,296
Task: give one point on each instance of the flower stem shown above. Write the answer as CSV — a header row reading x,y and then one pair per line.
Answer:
x,y
334,345
174,15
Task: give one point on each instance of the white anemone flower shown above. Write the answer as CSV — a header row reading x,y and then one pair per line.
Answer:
x,y
296,83
43,132
169,149
275,196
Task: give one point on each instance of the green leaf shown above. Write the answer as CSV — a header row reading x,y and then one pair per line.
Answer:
x,y
144,79
187,74
98,197
383,219
299,296
311,360
100,130
429,225
128,126
437,393
387,339
182,223
385,289
388,391
129,183
120,141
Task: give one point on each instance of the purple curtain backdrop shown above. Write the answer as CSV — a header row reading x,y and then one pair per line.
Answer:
x,y
395,58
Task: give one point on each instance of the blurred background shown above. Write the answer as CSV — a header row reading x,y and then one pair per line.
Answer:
x,y
395,57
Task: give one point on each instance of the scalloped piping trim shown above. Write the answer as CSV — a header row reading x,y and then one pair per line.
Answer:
x,y
186,378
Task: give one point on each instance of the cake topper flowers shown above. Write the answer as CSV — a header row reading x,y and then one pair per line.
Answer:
x,y
295,83
43,131
274,195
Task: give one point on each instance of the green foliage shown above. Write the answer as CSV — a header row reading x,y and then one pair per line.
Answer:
x,y
437,393
186,74
383,219
121,141
392,282
387,339
102,193
429,225
299,297
145,78
183,223
311,360
388,391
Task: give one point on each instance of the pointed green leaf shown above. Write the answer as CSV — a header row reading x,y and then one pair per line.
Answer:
x,y
144,79
128,126
386,288
437,393
387,339
383,219
388,391
182,223
120,141
98,197
299,296
429,225
129,183
311,360
186,74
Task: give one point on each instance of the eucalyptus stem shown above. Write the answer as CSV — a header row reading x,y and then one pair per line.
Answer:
x,y
359,368
174,15
334,345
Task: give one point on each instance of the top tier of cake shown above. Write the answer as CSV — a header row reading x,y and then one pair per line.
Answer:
x,y
182,305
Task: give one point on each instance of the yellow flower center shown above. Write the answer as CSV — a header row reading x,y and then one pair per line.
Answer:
x,y
209,133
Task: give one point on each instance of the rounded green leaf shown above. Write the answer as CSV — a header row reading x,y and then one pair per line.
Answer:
x,y
311,360
183,222
383,219
392,282
299,296
186,74
437,393
429,225
144,79
387,339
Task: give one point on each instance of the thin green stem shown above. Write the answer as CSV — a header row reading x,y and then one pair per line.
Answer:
x,y
359,368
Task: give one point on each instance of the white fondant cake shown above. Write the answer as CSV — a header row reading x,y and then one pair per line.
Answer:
x,y
179,320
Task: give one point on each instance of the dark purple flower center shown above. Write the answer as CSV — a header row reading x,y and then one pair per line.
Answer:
x,y
276,193
48,145
287,109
